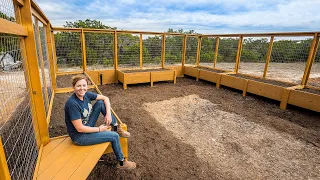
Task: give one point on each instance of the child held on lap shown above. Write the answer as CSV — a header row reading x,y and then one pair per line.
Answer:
x,y
81,118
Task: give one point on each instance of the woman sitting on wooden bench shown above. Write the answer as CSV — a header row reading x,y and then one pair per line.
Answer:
x,y
81,117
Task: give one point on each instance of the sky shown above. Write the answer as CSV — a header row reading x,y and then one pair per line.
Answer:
x,y
203,16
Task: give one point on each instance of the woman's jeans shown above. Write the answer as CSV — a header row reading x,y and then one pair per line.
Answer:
x,y
84,139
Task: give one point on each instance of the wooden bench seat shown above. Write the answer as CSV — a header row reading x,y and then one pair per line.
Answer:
x,y
61,159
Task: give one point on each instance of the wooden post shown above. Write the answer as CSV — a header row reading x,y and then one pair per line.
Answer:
x,y
163,54
236,68
141,48
55,61
244,92
115,54
311,57
198,51
84,53
41,59
216,52
39,115
285,98
268,57
50,56
184,50
4,170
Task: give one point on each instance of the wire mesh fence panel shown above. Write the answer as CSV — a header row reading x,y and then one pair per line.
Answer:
x,y
253,55
7,10
191,50
128,50
151,50
227,53
40,63
99,50
173,53
16,125
288,58
208,46
44,48
314,78
68,51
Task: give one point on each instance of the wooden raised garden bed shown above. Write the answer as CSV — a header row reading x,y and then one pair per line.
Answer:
x,y
136,76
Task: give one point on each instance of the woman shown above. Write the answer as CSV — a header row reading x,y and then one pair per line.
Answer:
x,y
81,117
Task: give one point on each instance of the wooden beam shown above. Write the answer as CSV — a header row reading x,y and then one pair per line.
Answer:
x,y
4,170
268,57
68,73
50,108
198,51
84,53
51,56
55,64
141,48
19,2
216,52
310,60
38,16
8,27
39,116
44,79
115,54
184,50
35,6
262,34
163,51
236,68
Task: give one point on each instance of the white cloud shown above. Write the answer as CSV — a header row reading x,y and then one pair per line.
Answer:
x,y
219,16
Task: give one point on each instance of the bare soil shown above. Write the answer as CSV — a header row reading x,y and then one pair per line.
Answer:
x,y
191,130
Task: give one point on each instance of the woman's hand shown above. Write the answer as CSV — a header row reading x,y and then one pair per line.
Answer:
x,y
108,120
102,128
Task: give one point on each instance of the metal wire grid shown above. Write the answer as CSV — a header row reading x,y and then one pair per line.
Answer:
x,y
173,53
253,55
44,48
16,127
151,50
40,63
191,50
288,58
227,53
68,51
99,50
314,78
128,51
7,10
208,47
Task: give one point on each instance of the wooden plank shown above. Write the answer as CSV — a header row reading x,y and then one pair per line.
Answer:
x,y
135,78
163,51
50,108
310,60
178,70
50,56
191,71
141,48
8,27
4,170
46,160
151,79
35,6
69,73
36,169
19,2
94,76
265,90
120,76
231,81
304,100
268,57
175,77
115,53
84,52
208,75
262,34
184,50
198,52
38,16
216,52
244,93
238,57
162,76
63,90
83,171
284,99
74,162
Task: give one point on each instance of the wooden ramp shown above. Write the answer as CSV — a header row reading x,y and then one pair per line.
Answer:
x,y
61,159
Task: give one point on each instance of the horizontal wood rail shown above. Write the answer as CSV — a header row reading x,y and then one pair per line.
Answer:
x,y
8,27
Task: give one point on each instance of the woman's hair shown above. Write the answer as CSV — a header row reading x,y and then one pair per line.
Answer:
x,y
77,78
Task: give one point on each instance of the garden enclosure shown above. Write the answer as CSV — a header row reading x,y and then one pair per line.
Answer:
x,y
33,55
